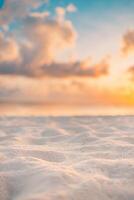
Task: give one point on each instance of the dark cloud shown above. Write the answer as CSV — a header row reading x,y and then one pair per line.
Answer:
x,y
59,70
76,69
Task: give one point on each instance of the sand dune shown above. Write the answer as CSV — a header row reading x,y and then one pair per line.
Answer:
x,y
67,158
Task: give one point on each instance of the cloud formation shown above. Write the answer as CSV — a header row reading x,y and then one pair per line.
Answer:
x,y
32,49
31,46
77,69
44,39
128,42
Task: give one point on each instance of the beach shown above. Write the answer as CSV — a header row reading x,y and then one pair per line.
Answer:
x,y
67,158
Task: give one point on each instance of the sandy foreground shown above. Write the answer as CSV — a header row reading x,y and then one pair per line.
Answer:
x,y
67,158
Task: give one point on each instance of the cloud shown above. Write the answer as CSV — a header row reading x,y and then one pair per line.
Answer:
x,y
32,50
130,72
77,69
71,8
58,70
42,65
48,38
9,50
37,42
25,92
60,13
7,93
128,42
15,10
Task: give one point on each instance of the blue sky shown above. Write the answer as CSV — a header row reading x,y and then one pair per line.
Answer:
x,y
101,19
98,19
1,3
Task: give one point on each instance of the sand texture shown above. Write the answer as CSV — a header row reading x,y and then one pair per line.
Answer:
x,y
67,158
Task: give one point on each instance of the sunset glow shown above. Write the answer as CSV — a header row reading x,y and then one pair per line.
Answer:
x,y
66,57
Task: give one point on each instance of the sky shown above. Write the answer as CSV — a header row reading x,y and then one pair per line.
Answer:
x,y
66,57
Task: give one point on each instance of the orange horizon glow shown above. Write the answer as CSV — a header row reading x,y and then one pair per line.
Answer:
x,y
54,64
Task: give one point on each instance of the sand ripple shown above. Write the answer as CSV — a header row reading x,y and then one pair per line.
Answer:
x,y
67,158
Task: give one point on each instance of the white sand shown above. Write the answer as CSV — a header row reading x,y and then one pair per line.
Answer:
x,y
84,158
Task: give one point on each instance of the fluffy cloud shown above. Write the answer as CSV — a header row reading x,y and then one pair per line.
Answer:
x,y
128,42
48,38
32,50
36,57
43,40
37,42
